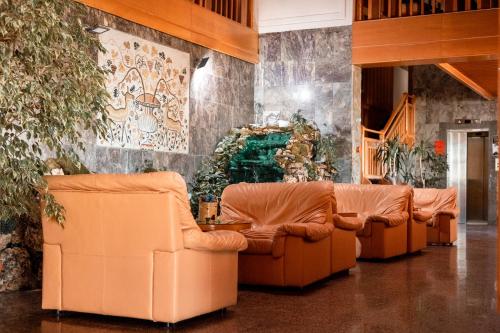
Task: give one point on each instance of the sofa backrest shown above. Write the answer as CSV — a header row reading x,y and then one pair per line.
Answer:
x,y
432,199
373,199
276,203
114,213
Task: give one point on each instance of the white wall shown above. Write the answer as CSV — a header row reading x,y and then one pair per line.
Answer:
x,y
400,84
286,15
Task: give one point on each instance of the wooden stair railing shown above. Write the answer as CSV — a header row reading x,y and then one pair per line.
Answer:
x,y
382,9
401,124
240,11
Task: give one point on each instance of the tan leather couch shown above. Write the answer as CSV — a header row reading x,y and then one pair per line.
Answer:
x,y
438,209
384,211
417,230
293,241
130,247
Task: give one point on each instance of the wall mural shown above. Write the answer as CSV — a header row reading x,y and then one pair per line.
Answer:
x,y
149,88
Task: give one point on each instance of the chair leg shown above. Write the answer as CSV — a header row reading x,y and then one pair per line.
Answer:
x,y
170,326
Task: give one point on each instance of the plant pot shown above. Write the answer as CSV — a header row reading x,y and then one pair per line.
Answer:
x,y
207,210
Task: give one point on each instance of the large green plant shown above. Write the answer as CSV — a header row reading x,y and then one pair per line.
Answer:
x,y
418,165
212,177
51,92
423,152
389,153
431,168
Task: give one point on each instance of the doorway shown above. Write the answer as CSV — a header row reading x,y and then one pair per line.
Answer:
x,y
477,178
468,172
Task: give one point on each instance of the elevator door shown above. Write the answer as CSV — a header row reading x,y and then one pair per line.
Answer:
x,y
477,177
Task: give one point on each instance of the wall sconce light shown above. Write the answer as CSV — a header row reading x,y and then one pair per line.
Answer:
x,y
203,62
97,30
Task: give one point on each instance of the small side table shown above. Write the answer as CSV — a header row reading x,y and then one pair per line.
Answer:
x,y
224,226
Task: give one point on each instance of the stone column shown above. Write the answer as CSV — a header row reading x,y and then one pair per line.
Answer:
x,y
356,124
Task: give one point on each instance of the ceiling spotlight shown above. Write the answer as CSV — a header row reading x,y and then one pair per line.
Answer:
x,y
203,62
98,29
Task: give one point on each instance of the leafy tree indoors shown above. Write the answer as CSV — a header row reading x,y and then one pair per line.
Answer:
x,y
51,92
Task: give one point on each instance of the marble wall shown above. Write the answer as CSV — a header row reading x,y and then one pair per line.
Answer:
x,y
221,97
310,71
440,100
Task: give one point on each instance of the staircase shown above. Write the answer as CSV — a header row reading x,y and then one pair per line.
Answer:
x,y
401,124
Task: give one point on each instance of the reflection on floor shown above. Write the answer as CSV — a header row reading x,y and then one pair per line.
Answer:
x,y
445,289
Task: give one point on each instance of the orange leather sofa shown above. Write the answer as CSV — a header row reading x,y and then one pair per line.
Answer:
x,y
130,247
293,241
438,209
384,211
417,230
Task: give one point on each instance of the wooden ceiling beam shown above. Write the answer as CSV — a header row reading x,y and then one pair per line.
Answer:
x,y
460,76
427,39
188,21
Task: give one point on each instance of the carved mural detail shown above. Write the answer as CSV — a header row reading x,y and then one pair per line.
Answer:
x,y
149,88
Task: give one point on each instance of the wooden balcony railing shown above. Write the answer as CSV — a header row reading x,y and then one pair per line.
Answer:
x,y
240,11
401,124
380,9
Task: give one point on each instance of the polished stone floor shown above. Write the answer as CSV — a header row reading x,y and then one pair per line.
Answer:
x,y
444,289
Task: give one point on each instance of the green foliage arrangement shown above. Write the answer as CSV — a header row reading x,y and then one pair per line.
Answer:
x,y
389,153
213,176
51,92
418,165
430,167
305,147
326,152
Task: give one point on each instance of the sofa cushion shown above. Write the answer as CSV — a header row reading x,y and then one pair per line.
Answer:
x,y
348,222
266,204
270,241
309,231
390,220
221,240
433,199
372,199
422,216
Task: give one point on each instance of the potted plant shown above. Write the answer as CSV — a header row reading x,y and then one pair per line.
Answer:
x,y
389,153
422,153
208,206
430,167
51,92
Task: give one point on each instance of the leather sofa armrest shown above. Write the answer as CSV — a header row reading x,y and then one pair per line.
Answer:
x,y
221,240
422,215
309,231
390,220
347,222
453,213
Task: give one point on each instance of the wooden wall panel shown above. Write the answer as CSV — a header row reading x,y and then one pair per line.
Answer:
x,y
188,21
426,39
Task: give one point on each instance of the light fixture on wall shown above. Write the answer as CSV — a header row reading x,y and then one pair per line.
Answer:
x,y
97,29
202,62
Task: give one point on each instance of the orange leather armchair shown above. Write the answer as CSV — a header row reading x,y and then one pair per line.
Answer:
x,y
293,241
437,208
130,247
417,230
384,211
